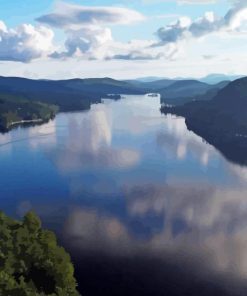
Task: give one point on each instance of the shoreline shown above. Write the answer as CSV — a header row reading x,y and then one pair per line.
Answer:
x,y
24,121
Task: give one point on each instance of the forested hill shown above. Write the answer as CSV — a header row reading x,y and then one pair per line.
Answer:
x,y
73,94
26,100
222,121
15,110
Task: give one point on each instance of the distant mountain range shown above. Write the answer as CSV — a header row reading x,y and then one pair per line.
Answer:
x,y
210,79
216,78
79,94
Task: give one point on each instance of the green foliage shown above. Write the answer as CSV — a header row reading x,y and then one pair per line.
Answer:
x,y
15,109
31,262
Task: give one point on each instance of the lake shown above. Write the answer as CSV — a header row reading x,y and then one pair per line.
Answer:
x,y
144,206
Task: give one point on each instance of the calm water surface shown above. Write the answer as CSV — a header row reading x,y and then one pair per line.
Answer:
x,y
144,206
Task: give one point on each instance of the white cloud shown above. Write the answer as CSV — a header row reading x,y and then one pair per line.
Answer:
x,y
86,42
184,28
138,50
236,18
89,142
93,42
88,35
68,15
89,38
25,43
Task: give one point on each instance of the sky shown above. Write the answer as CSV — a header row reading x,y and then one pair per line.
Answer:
x,y
122,39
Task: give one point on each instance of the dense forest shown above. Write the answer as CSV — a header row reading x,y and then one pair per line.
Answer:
x,y
31,262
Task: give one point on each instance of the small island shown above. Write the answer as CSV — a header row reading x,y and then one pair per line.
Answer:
x,y
31,262
153,95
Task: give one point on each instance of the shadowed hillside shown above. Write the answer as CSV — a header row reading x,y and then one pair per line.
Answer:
x,y
222,121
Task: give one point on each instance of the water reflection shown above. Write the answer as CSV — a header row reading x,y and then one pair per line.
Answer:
x,y
88,143
174,219
123,181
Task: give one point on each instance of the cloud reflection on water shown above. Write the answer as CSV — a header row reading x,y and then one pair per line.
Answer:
x,y
140,182
89,143
206,222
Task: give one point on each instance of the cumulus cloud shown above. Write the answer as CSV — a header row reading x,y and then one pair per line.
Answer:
x,y
86,42
88,34
184,28
25,43
95,42
89,37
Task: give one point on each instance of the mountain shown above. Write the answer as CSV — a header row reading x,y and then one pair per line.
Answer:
x,y
221,121
149,79
73,94
150,86
28,100
182,88
213,78
178,92
183,91
234,95
216,78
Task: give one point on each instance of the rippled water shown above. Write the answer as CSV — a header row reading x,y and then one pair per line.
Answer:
x,y
144,206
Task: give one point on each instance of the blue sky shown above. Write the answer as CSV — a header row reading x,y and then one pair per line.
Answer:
x,y
122,39
15,12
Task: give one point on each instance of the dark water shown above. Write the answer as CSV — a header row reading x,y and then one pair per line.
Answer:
x,y
144,206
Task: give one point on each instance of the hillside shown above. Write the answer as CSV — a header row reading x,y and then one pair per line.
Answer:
x,y
221,121
73,94
155,85
15,110
28,100
178,92
216,78
183,91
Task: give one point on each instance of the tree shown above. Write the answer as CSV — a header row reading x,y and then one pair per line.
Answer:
x,y
31,262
